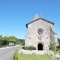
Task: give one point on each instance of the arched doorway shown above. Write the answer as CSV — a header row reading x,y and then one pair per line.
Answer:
x,y
40,46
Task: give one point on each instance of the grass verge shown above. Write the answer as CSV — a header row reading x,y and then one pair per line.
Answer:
x,y
15,55
20,56
34,57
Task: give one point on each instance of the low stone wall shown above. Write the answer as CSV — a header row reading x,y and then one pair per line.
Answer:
x,y
33,52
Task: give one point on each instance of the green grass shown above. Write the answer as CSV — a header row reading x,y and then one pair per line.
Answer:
x,y
15,55
33,57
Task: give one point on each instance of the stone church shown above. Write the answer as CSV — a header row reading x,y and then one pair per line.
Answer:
x,y
40,33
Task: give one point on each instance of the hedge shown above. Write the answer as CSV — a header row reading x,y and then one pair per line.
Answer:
x,y
29,48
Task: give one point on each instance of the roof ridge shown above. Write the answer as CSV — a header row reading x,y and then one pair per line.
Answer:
x,y
36,18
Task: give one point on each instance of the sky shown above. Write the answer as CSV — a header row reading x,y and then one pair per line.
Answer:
x,y
15,14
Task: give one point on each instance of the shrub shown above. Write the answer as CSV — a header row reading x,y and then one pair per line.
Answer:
x,y
58,49
52,47
0,42
15,55
30,48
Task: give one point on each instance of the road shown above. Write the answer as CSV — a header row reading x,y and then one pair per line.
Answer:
x,y
7,52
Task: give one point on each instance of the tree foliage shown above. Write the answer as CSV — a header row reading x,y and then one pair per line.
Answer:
x,y
6,39
1,39
52,47
59,42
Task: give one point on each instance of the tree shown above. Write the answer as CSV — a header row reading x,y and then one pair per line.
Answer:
x,y
11,39
21,41
59,42
5,40
1,39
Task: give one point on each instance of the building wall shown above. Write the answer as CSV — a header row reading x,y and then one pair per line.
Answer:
x,y
53,36
32,36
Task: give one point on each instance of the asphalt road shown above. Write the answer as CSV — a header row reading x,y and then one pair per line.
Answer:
x,y
7,52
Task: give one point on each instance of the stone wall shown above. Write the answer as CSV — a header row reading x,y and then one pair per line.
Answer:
x,y
32,34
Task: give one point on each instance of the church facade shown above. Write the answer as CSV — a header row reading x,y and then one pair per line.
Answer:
x,y
40,33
